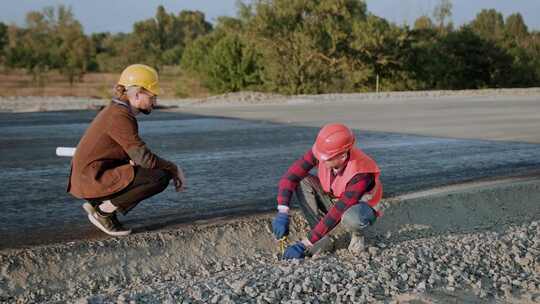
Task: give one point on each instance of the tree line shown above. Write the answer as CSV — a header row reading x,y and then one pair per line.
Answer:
x,y
290,47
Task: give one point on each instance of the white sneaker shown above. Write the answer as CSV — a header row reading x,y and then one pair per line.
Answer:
x,y
106,223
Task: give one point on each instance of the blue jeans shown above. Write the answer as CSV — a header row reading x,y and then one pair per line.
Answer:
x,y
358,217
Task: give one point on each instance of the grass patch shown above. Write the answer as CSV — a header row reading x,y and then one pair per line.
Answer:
x,y
174,82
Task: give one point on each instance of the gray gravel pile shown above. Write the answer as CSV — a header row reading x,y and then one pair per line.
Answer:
x,y
240,98
492,265
420,94
42,104
49,103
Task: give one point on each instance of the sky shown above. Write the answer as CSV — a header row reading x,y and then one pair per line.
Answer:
x,y
119,15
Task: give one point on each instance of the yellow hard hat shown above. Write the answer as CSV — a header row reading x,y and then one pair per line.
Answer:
x,y
140,75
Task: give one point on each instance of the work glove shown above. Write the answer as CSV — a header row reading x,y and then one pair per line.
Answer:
x,y
280,225
296,251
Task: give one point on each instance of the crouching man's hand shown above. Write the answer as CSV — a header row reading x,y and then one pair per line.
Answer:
x,y
297,251
280,225
179,179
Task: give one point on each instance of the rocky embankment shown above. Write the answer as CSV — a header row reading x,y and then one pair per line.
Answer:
x,y
474,268
473,243
467,268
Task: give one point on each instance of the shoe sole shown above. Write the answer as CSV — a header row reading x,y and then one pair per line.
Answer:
x,y
91,210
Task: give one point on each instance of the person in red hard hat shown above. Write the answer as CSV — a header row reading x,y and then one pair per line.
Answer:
x,y
346,189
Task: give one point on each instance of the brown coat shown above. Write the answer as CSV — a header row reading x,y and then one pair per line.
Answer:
x,y
100,166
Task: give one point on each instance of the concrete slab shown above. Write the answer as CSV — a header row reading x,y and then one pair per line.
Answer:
x,y
508,118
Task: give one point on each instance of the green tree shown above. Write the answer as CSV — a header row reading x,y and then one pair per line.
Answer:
x,y
97,47
473,62
525,66
52,39
189,25
427,60
195,57
165,36
111,51
224,59
232,65
304,45
423,23
74,50
34,48
382,47
533,46
144,44
460,60
3,39
442,12
489,24
192,24
515,27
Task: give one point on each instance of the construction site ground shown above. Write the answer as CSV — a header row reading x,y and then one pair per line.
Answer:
x,y
462,207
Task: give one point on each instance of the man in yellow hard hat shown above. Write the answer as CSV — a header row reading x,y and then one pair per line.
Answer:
x,y
113,169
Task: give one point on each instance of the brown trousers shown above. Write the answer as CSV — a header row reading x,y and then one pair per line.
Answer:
x,y
146,183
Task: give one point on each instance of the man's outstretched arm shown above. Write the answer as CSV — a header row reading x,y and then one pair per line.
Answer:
x,y
289,181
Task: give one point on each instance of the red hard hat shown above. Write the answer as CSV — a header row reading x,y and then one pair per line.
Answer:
x,y
332,140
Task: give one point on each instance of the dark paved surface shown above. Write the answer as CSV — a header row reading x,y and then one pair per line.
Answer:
x,y
232,167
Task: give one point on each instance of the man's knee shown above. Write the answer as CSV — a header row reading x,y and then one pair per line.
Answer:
x,y
154,180
311,182
163,179
358,217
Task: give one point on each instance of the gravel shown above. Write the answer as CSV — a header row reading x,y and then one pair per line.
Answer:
x,y
42,103
504,266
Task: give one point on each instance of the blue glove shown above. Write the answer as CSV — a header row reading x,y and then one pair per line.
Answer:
x,y
280,225
296,251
